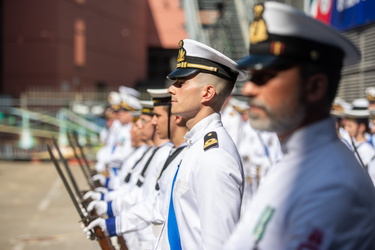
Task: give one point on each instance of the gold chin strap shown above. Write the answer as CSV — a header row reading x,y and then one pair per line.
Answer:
x,y
115,107
127,107
196,66
146,110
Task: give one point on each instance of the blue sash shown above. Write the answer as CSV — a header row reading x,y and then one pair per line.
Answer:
x,y
173,234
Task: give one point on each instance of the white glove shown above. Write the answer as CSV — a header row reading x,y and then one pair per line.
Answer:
x,y
99,177
99,222
99,206
100,166
102,190
84,212
93,195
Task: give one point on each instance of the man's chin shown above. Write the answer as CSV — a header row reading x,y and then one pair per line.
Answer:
x,y
259,124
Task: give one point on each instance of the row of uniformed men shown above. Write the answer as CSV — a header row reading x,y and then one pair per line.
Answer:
x,y
127,154
356,128
199,197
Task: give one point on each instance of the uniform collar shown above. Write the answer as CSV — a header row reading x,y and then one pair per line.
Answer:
x,y
204,126
168,143
310,137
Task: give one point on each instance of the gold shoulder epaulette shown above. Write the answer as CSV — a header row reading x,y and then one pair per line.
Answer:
x,y
210,141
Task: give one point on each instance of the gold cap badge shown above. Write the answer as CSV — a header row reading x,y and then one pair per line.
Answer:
x,y
258,29
181,52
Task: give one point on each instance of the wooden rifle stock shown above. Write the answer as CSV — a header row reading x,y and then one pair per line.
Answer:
x,y
103,239
122,243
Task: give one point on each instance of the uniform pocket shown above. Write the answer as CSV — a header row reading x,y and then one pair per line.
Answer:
x,y
181,187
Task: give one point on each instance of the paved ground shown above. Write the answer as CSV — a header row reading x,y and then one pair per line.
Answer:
x,y
35,209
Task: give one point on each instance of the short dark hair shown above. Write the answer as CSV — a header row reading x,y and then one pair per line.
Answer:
x,y
363,121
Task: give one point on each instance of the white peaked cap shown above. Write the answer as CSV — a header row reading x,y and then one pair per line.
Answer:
x,y
129,91
339,105
359,109
357,113
129,102
360,103
158,93
147,107
194,57
280,31
240,106
160,97
114,98
370,94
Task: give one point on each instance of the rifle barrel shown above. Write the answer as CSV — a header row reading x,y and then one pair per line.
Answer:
x,y
74,183
84,170
75,136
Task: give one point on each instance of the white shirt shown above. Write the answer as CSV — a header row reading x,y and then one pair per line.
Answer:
x,y
127,197
208,190
259,150
232,122
117,148
317,196
367,154
122,147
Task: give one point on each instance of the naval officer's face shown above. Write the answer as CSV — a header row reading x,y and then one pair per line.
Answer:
x,y
124,117
352,127
160,121
275,99
186,96
145,127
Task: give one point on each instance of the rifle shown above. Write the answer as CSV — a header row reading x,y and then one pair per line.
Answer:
x,y
70,175
75,136
79,193
120,238
87,174
98,234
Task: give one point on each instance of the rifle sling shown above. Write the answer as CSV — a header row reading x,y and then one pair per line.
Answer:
x,y
139,182
168,161
128,176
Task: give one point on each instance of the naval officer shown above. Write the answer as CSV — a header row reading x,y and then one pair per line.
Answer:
x,y
317,196
207,188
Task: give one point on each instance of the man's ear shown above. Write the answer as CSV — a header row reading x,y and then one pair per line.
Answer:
x,y
209,93
177,119
316,87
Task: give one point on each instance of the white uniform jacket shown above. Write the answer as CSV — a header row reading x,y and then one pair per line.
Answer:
x,y
232,122
317,197
119,179
117,149
367,157
138,193
151,209
208,190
